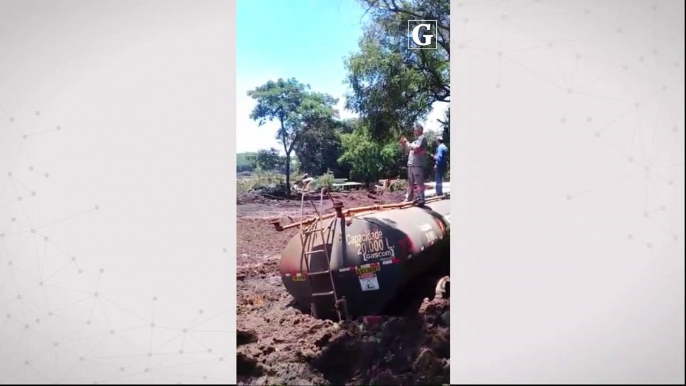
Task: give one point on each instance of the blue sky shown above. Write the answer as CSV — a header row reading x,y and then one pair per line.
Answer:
x,y
304,39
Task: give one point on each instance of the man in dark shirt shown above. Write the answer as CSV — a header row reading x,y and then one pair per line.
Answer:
x,y
441,164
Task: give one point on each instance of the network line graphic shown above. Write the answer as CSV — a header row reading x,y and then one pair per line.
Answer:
x,y
57,325
611,70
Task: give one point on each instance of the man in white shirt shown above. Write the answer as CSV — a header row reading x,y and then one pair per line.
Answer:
x,y
415,164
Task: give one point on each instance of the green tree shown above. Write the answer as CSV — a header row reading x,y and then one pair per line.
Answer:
x,y
391,85
369,158
268,159
296,108
320,149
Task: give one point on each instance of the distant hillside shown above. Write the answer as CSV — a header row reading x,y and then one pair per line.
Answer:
x,y
243,163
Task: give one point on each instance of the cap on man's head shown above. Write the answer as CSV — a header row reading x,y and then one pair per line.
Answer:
x,y
439,138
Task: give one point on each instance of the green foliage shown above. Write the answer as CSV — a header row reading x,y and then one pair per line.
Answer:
x,y
269,160
361,158
325,181
370,159
263,183
296,108
393,86
319,150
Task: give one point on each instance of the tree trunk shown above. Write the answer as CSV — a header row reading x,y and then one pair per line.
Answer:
x,y
288,174
287,150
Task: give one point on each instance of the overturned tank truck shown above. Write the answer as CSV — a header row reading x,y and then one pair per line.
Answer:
x,y
353,262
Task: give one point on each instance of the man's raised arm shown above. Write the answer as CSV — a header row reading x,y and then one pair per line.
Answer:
x,y
403,142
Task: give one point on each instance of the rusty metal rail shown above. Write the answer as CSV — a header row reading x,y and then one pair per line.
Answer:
x,y
348,212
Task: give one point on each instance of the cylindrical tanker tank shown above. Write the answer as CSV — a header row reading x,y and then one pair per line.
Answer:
x,y
371,255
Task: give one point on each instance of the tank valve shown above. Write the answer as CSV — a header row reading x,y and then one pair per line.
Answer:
x,y
338,206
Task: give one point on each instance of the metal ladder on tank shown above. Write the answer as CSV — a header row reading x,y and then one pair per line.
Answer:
x,y
338,303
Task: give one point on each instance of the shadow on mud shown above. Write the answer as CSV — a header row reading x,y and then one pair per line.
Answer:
x,y
410,298
247,366
407,350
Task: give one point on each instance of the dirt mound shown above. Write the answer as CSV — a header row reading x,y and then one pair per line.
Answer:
x,y
278,344
292,348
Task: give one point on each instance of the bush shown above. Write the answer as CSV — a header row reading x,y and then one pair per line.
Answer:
x,y
325,181
398,186
369,159
263,183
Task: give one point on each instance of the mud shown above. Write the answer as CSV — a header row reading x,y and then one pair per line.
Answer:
x,y
280,344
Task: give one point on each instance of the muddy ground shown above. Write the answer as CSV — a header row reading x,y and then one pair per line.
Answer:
x,y
280,345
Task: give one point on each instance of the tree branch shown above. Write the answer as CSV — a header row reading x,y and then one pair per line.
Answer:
x,y
438,81
393,7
